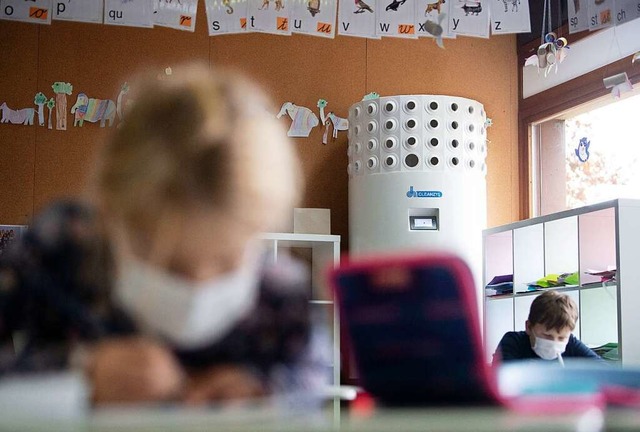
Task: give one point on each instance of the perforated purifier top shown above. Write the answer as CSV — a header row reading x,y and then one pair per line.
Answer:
x,y
417,133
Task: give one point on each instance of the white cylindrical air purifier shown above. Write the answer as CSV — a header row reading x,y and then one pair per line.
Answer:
x,y
417,176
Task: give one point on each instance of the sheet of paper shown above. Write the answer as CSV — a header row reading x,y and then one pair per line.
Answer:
x,y
226,16
512,18
179,15
269,16
314,17
469,18
78,10
396,18
578,15
357,18
133,13
33,11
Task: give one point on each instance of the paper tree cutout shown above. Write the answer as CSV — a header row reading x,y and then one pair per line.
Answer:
x,y
50,104
61,89
22,116
40,100
93,110
303,119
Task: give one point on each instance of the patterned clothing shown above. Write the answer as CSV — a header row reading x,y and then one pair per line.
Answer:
x,y
55,294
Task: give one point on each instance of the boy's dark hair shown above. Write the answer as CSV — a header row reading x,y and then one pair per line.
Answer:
x,y
554,310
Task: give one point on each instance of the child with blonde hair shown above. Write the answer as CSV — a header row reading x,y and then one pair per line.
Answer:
x,y
161,292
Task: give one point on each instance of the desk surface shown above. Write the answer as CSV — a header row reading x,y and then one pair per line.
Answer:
x,y
424,420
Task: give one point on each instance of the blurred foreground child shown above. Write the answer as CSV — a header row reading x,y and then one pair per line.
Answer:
x,y
160,293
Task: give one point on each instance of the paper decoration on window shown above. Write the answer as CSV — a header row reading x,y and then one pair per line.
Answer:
x,y
133,13
226,16
357,18
93,110
32,11
435,29
176,14
512,18
78,10
432,20
303,119
618,84
314,17
600,14
578,15
269,16
582,151
20,116
61,89
469,18
50,105
549,54
396,18
40,100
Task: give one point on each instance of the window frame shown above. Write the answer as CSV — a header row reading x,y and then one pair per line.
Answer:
x,y
554,101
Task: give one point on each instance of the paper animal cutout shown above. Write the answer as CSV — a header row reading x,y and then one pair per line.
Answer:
x,y
370,96
303,119
50,105
338,123
394,5
227,4
40,100
583,149
361,6
61,89
474,9
93,110
514,5
434,7
313,6
123,101
22,116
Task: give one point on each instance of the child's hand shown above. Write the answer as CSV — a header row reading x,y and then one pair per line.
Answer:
x,y
223,383
133,370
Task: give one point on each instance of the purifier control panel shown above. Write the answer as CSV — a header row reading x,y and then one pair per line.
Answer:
x,y
429,223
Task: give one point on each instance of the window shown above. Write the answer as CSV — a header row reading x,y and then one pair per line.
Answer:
x,y
587,155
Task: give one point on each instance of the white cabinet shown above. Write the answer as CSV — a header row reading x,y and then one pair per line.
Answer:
x,y
597,237
323,251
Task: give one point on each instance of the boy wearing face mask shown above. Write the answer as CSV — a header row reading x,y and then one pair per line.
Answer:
x,y
552,318
160,291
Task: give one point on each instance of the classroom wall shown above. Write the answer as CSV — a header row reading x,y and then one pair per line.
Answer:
x,y
38,164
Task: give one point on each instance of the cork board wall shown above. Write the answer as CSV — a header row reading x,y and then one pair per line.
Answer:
x,y
39,164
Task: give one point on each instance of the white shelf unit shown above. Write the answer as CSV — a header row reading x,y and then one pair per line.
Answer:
x,y
594,237
325,251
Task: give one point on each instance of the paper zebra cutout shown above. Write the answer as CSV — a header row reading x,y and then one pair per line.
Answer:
x,y
22,116
303,119
338,123
93,110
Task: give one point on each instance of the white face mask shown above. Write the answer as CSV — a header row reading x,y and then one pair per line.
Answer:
x,y
548,349
189,314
